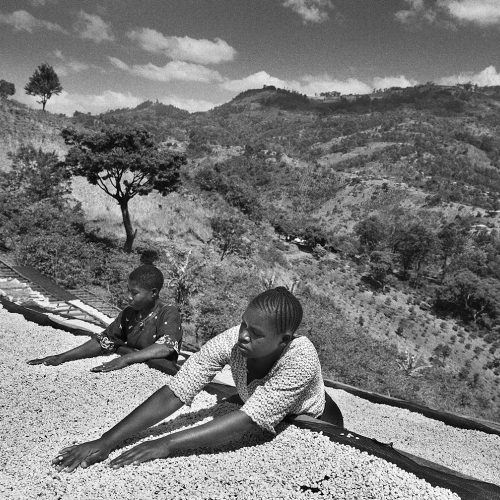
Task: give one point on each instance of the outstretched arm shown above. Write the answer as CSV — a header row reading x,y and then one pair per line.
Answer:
x,y
88,350
220,430
158,407
153,351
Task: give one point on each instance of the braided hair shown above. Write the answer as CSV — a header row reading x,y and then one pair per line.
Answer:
x,y
147,276
281,304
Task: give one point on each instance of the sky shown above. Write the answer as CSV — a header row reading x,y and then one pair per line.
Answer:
x,y
197,54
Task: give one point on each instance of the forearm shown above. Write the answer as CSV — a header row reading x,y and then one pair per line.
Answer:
x,y
151,352
88,350
156,408
216,432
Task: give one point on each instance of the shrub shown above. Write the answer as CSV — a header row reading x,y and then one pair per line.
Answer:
x,y
228,231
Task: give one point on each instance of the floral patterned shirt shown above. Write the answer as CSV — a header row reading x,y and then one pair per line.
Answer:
x,y
161,326
294,385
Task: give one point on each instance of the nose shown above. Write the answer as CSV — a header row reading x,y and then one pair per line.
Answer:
x,y
243,337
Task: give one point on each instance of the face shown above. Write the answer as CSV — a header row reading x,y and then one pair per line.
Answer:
x,y
258,336
140,297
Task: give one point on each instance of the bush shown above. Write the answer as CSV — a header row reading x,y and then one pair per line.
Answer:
x,y
228,231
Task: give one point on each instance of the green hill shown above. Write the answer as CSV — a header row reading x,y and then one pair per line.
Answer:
x,y
345,178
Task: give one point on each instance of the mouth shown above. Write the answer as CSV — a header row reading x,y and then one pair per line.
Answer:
x,y
241,347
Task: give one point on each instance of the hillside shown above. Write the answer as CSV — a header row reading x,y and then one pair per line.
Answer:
x,y
287,168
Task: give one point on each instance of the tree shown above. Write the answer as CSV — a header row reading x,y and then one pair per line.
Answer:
x,y
381,264
452,242
470,296
44,83
123,162
6,89
371,233
414,244
36,175
228,231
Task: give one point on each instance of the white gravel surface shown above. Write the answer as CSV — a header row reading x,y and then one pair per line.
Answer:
x,y
43,409
473,453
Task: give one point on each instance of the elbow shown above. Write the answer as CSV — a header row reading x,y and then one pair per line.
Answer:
x,y
163,351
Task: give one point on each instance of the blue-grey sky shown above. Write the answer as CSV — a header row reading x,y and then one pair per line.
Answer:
x,y
196,54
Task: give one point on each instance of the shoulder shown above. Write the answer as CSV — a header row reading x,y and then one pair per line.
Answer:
x,y
223,342
168,309
228,337
304,345
301,351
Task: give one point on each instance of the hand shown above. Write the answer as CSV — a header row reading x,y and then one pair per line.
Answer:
x,y
82,455
48,361
114,364
149,450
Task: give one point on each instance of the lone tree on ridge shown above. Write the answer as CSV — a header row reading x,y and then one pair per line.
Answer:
x,y
123,162
7,89
44,83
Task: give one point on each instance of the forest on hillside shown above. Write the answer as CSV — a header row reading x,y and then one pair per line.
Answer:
x,y
393,203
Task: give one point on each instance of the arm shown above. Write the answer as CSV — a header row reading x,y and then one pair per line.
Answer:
x,y
159,406
133,356
220,430
88,350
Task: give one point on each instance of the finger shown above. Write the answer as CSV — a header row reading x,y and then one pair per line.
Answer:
x,y
68,464
124,459
96,369
66,450
93,459
35,361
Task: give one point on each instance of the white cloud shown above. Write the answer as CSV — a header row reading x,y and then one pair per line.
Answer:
x,y
93,27
311,85
311,11
68,64
417,12
308,85
21,20
174,70
191,105
119,64
95,103
183,48
255,81
489,76
481,12
393,81
447,13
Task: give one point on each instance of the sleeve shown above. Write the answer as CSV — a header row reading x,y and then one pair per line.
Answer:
x,y
286,391
113,337
201,367
169,331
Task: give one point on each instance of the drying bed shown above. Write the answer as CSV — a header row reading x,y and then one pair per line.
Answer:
x,y
46,408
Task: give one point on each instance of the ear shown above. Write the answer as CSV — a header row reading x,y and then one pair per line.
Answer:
x,y
286,338
155,291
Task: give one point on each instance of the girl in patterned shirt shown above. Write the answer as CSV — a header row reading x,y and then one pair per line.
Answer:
x,y
276,374
146,329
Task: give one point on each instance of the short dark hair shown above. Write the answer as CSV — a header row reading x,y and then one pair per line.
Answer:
x,y
147,276
283,305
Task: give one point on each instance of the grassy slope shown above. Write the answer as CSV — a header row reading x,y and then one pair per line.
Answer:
x,y
20,124
181,221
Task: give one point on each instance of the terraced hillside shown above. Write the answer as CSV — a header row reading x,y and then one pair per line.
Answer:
x,y
282,167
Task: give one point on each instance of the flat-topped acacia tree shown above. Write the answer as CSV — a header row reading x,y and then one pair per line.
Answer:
x,y
123,162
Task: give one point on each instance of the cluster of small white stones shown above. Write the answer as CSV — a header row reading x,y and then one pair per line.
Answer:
x,y
43,409
470,452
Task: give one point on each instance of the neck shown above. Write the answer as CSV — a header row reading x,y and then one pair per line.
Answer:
x,y
266,362
144,312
